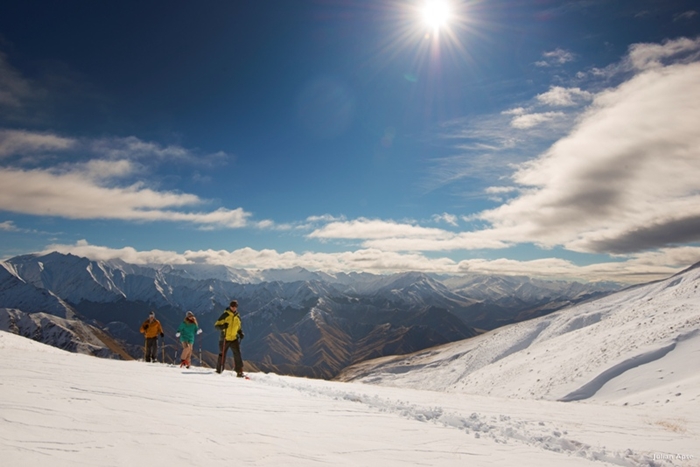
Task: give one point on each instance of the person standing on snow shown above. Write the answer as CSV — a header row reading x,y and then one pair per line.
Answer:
x,y
151,328
229,323
186,332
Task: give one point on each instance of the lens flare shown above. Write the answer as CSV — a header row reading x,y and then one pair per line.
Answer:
x,y
436,13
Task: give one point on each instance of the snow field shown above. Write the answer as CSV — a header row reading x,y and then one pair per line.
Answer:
x,y
74,410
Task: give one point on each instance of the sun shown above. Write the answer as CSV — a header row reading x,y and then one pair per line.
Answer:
x,y
436,14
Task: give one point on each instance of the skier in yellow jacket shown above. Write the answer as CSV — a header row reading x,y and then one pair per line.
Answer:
x,y
229,323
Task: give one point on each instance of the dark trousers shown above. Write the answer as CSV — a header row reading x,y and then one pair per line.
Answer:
x,y
235,346
151,349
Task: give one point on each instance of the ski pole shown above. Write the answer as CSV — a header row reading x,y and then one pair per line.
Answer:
x,y
223,354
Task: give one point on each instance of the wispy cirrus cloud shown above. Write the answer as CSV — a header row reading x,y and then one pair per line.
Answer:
x,y
485,151
555,57
15,89
559,96
527,118
447,218
9,226
23,142
131,147
526,121
686,15
26,145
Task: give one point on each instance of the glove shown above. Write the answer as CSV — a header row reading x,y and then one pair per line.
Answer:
x,y
177,334
162,335
199,331
240,335
145,326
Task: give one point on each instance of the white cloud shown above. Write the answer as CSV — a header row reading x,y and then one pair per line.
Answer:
x,y
690,14
647,56
27,143
133,148
555,57
394,236
527,121
367,228
515,111
78,194
21,142
9,226
496,193
86,188
368,260
627,178
486,149
563,97
14,88
447,218
449,241
325,218
128,254
496,190
637,269
98,169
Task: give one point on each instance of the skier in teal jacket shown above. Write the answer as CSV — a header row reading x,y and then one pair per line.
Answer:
x,y
186,332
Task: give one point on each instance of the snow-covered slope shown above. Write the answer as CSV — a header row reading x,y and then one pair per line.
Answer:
x,y
640,345
63,409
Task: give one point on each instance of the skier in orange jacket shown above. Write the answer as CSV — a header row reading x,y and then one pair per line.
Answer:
x,y
151,328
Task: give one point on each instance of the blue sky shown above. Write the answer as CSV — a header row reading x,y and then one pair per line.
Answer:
x,y
548,138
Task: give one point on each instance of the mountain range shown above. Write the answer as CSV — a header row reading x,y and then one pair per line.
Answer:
x,y
296,321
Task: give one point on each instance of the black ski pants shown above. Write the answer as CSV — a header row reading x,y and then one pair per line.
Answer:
x,y
151,349
235,346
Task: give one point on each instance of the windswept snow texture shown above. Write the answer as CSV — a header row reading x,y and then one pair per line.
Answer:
x,y
638,346
64,409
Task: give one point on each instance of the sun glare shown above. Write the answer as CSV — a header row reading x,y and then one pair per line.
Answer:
x,y
436,13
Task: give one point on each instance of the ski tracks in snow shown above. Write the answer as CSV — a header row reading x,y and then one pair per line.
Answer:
x,y
502,429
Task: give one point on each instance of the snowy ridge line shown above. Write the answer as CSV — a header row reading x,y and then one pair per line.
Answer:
x,y
502,429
